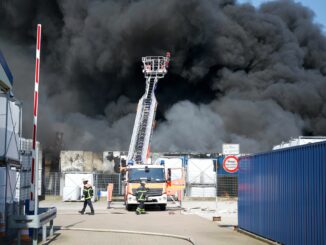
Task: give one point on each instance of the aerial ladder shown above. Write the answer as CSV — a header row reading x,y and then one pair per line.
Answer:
x,y
154,68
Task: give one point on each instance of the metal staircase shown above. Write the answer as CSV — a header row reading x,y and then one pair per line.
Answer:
x,y
155,67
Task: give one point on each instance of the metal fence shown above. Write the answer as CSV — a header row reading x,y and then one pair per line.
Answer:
x,y
54,183
202,180
227,185
101,182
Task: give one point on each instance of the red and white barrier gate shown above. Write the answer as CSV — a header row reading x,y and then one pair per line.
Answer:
x,y
34,196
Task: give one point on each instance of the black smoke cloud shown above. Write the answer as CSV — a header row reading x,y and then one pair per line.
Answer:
x,y
238,74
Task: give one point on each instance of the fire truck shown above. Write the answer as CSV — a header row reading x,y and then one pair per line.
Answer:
x,y
138,166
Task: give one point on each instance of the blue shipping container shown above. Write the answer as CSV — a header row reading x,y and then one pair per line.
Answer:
x,y
282,194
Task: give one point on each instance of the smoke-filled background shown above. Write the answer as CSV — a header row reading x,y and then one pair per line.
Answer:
x,y
238,74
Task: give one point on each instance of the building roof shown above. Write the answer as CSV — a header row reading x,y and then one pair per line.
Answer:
x,y
6,78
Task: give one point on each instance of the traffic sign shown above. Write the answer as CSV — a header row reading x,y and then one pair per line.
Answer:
x,y
231,164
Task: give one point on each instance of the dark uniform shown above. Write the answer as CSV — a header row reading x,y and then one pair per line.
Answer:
x,y
87,194
141,195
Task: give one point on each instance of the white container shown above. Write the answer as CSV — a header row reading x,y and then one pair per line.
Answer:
x,y
209,192
39,187
170,162
175,164
71,193
9,184
25,176
196,192
2,185
26,160
76,180
9,129
23,186
301,140
201,171
202,191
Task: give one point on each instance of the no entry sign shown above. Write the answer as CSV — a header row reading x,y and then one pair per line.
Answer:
x,y
231,164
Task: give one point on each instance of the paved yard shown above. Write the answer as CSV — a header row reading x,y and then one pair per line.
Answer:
x,y
173,221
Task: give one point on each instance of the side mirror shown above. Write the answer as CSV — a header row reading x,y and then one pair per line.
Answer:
x,y
169,175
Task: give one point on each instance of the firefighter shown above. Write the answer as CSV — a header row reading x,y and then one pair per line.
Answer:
x,y
141,194
87,194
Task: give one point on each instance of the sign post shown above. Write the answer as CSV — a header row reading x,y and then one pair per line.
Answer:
x,y
216,186
231,149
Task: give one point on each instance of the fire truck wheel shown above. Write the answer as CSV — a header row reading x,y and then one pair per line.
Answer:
x,y
162,207
130,207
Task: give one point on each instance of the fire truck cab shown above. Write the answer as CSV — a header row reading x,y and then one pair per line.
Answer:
x,y
156,183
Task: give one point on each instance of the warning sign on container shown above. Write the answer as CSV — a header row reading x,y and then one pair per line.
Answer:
x,y
231,164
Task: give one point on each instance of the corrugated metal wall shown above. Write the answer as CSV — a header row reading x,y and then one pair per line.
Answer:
x,y
282,194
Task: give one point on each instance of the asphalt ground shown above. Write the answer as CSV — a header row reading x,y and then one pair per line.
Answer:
x,y
174,221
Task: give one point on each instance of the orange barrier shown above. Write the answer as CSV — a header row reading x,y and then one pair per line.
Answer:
x,y
109,193
176,185
180,195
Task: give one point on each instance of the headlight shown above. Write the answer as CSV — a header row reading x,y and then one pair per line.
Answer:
x,y
131,198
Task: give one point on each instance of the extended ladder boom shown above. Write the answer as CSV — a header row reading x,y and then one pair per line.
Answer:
x,y
155,67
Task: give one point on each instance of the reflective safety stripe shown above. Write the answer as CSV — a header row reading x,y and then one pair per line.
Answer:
x,y
142,194
142,197
141,210
88,194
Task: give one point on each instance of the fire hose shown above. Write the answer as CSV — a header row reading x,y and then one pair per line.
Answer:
x,y
188,239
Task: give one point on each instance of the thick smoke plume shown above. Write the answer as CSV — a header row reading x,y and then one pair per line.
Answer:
x,y
238,74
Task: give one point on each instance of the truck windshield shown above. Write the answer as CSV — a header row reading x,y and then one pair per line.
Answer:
x,y
150,175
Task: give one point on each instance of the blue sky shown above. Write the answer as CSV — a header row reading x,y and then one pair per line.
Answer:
x,y
318,6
